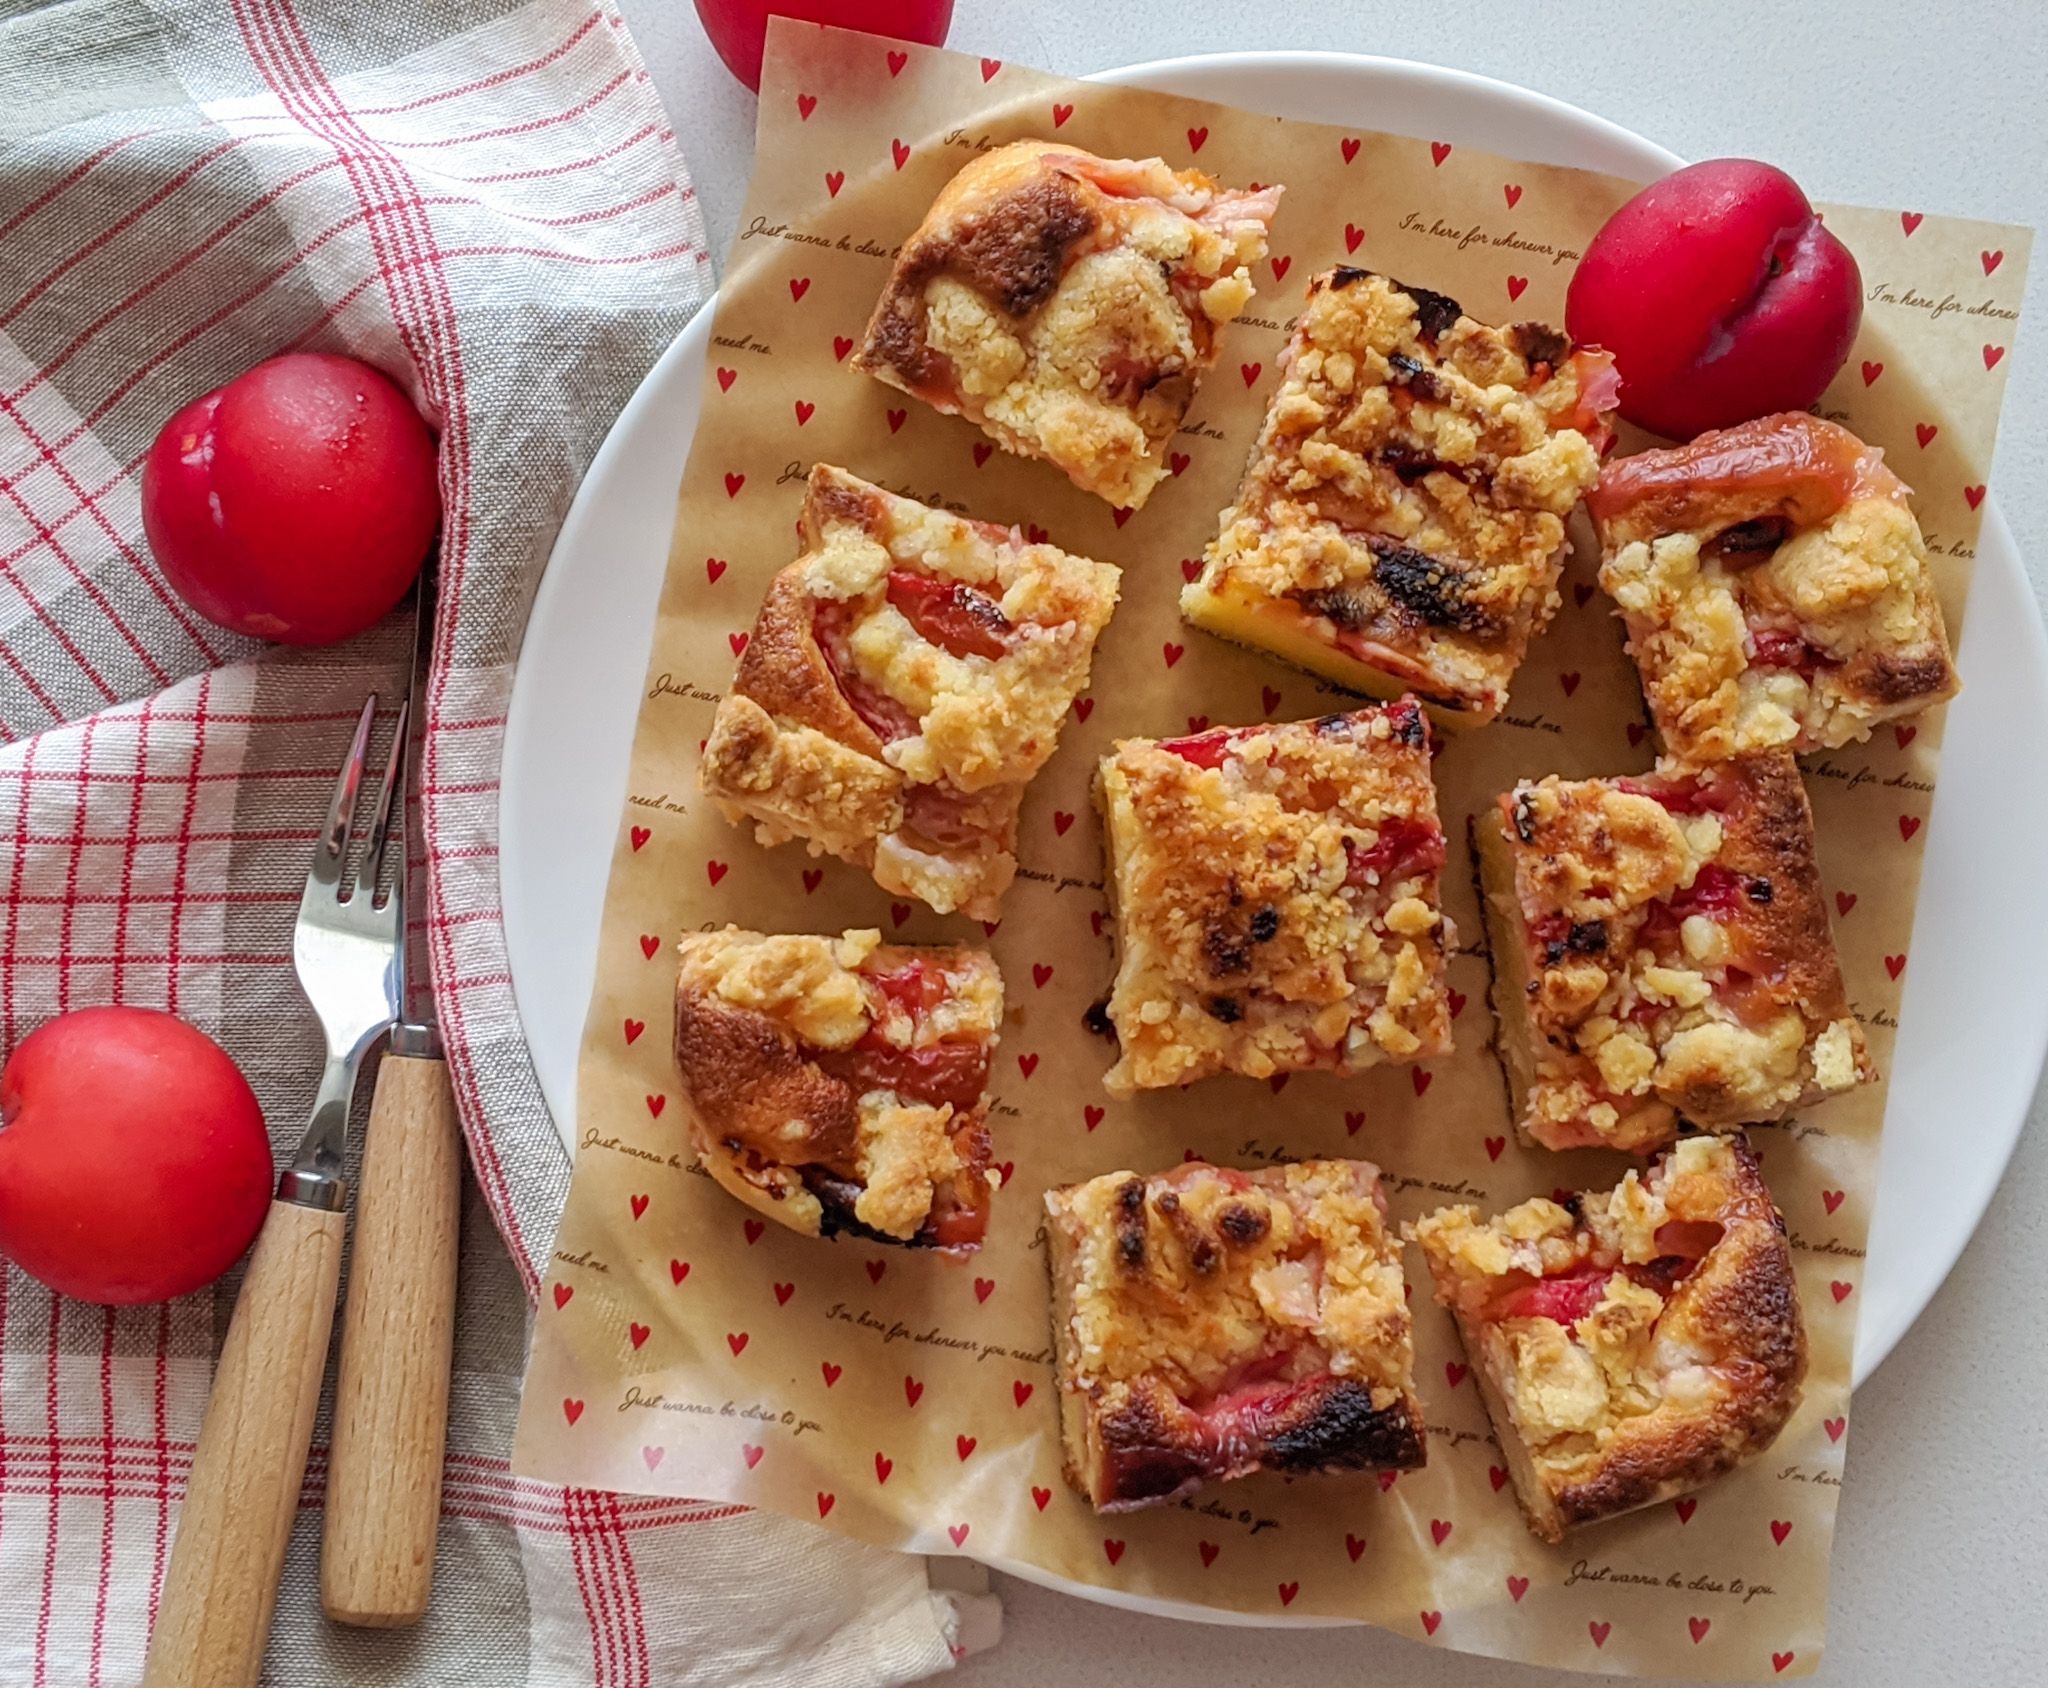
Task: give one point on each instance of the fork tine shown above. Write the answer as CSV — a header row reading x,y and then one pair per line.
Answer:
x,y
389,801
332,850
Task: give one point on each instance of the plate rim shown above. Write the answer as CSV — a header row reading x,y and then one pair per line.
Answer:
x,y
1874,1343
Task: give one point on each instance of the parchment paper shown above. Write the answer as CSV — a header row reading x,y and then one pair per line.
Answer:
x,y
685,1348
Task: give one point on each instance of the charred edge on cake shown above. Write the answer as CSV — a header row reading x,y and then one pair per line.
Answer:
x,y
836,1216
1130,1223
1096,1019
1341,1430
1417,377
1017,251
1434,312
1538,342
1749,542
1895,677
1522,816
1416,585
1586,937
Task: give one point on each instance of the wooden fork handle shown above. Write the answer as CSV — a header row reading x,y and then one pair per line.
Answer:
x,y
391,1399
213,1621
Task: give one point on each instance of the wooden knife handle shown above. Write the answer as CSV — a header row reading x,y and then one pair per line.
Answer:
x,y
397,1337
214,1617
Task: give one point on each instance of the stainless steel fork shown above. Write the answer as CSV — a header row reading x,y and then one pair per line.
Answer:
x,y
219,1591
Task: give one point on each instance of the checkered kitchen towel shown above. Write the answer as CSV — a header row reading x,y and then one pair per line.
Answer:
x,y
484,199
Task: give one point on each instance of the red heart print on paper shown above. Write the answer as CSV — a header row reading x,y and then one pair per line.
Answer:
x,y
1908,825
562,1294
1421,1080
1924,432
1190,567
1903,736
638,1204
653,1456
1699,1628
751,1452
913,1390
1685,1508
1429,1621
738,642
572,1409
633,1029
782,1294
1457,1000
753,1228
1780,1529
1208,1550
1250,371
825,1501
883,1466
834,181
1353,1120
1991,260
678,1270
989,67
1288,1590
1027,1064
1991,356
875,1270
1844,902
1119,517
726,377
982,453
1095,920
737,1341
1832,1199
897,418
1020,1391
1909,221
1454,1373
1494,1146
638,1333
984,1288
1171,652
813,877
1517,1587
715,871
1354,1546
1570,682
1041,974
1779,1661
1973,496
958,1532
1177,462
1196,138
733,483
1280,267
1871,371
1060,114
1091,1115
1834,1427
1387,1480
899,152
1348,146
1083,708
1061,820
1517,286
840,347
898,913
828,1370
799,285
1637,732
714,567
1582,594
1841,1291
1112,1549
1497,1475
897,61
805,410
640,836
805,105
1040,1498
1353,234
1599,1632
1439,151
649,943
1439,1530
1277,1083
1269,698
963,1446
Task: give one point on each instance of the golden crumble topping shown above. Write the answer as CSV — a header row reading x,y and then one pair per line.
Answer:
x,y
1633,1344
1661,952
837,1083
1069,305
1276,893
1775,586
1401,525
1209,1322
906,678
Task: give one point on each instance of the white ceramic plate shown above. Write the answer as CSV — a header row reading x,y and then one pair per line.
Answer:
x,y
1975,1022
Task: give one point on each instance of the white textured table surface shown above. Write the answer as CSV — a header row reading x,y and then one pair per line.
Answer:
x,y
1944,1523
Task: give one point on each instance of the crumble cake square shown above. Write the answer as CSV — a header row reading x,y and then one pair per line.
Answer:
x,y
1069,305
1401,524
838,1084
1276,898
1775,587
906,678
1630,1344
1662,953
1209,1323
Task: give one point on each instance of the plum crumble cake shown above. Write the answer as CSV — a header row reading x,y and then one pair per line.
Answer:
x,y
1209,1323
1661,951
1401,525
1276,899
1633,1343
1775,587
907,676
1068,305
835,1084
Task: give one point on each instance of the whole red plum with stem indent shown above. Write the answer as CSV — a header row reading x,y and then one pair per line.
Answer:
x,y
739,28
297,502
1722,295
134,1165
